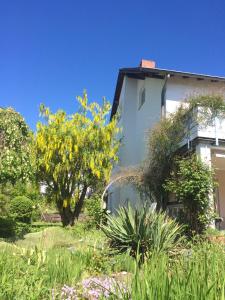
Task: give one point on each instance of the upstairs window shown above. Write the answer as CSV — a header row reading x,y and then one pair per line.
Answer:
x,y
141,98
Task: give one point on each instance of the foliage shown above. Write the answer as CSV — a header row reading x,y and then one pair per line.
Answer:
x,y
164,140
21,229
95,211
192,183
141,231
11,229
166,137
4,204
29,190
74,153
213,232
7,227
15,147
37,270
21,209
209,107
197,274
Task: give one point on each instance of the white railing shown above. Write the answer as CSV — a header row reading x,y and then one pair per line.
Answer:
x,y
215,129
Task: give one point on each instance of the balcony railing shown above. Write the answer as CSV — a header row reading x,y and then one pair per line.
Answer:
x,y
198,126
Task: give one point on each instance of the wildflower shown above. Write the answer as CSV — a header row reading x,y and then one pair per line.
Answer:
x,y
68,293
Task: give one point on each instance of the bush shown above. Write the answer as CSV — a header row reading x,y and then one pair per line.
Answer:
x,y
95,211
11,229
4,203
21,209
141,231
7,227
21,229
192,183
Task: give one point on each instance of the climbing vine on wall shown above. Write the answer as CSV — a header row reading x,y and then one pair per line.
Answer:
x,y
165,139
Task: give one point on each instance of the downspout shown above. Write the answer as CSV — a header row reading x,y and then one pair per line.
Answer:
x,y
216,131
163,112
163,107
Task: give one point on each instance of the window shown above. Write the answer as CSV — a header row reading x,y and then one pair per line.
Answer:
x,y
141,98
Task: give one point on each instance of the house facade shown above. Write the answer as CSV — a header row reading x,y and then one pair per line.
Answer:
x,y
143,96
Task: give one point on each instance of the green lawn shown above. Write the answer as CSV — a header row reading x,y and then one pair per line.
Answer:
x,y
56,237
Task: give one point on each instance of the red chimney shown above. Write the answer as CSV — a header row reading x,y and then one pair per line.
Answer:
x,y
147,64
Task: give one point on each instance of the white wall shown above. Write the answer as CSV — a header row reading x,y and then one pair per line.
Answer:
x,y
135,123
180,89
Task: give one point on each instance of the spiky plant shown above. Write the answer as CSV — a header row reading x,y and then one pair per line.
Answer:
x,y
141,231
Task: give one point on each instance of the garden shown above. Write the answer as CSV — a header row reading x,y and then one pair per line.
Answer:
x,y
58,242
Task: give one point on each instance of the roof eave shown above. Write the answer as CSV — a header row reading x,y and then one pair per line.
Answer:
x,y
141,73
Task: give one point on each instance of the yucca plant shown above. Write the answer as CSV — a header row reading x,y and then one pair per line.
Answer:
x,y
141,231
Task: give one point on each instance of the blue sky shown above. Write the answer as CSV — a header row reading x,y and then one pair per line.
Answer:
x,y
51,50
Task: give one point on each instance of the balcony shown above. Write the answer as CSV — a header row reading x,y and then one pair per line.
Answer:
x,y
198,126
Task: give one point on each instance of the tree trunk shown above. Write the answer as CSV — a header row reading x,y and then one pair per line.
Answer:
x,y
65,213
66,216
79,205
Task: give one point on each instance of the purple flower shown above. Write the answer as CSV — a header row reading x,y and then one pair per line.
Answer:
x,y
102,287
68,293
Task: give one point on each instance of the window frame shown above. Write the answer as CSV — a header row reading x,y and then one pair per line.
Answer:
x,y
141,98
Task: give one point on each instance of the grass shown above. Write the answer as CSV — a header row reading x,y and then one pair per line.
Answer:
x,y
56,237
32,267
198,274
42,262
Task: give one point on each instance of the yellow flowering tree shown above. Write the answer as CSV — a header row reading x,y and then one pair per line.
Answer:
x,y
74,153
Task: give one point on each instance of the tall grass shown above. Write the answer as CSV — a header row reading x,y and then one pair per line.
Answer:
x,y
33,274
44,262
196,275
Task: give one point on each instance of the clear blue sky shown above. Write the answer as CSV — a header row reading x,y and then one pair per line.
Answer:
x,y
51,50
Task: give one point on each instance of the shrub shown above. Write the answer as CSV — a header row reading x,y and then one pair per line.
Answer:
x,y
192,183
95,211
21,229
7,227
141,231
4,203
21,208
10,229
29,190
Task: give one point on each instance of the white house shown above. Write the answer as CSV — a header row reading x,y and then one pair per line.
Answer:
x,y
143,95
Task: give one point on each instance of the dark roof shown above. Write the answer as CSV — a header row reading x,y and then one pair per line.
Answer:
x,y
142,73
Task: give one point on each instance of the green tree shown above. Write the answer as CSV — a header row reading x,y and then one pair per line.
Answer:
x,y
192,183
74,153
15,150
